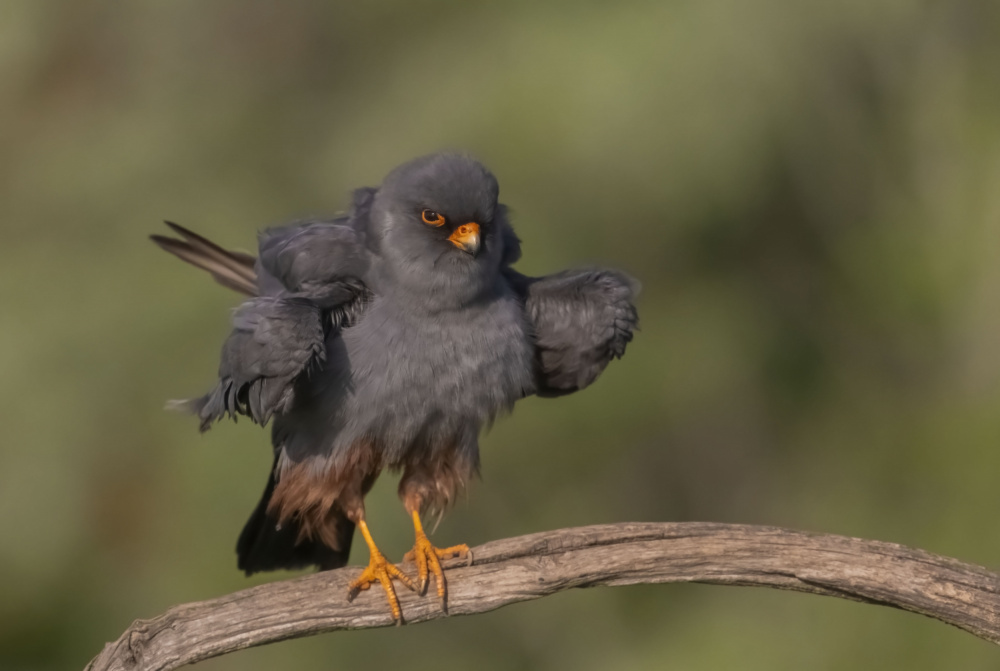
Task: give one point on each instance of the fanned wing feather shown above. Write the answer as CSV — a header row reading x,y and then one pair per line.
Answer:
x,y
274,340
308,281
314,258
582,319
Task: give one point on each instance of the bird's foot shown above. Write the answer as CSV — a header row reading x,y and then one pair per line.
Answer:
x,y
379,570
428,559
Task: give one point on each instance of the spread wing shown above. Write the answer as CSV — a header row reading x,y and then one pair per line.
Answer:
x,y
316,258
306,285
274,340
582,319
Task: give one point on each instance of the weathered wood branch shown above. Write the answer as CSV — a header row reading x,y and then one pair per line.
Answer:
x,y
529,567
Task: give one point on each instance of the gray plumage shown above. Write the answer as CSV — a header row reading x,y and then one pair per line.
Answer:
x,y
378,329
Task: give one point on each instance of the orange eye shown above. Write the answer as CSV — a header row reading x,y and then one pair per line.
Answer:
x,y
432,218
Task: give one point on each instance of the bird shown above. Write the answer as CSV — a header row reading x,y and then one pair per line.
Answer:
x,y
388,338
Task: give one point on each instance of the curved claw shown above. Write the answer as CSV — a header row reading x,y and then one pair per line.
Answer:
x,y
381,571
428,560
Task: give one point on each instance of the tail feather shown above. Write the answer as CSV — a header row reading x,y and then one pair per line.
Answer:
x,y
233,270
264,545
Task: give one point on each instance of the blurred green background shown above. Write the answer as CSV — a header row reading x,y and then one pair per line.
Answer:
x,y
809,192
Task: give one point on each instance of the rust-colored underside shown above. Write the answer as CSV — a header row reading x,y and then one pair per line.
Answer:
x,y
316,495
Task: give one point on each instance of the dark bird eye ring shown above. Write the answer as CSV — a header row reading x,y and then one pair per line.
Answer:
x,y
432,218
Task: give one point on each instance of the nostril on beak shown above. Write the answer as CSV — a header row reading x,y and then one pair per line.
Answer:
x,y
466,238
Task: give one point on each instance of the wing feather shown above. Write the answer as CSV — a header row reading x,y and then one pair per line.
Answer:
x,y
582,319
274,341
309,283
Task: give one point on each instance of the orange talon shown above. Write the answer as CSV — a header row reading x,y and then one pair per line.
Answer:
x,y
381,571
428,559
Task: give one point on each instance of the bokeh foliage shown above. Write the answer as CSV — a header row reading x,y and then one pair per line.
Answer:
x,y
809,192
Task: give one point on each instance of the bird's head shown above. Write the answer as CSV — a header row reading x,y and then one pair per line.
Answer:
x,y
439,226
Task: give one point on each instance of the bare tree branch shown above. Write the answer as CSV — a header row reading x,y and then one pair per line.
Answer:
x,y
529,567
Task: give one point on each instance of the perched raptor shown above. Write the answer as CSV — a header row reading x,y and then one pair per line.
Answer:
x,y
387,338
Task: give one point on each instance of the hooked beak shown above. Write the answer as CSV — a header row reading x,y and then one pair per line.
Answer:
x,y
466,238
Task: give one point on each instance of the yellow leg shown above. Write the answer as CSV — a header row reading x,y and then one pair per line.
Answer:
x,y
381,571
428,559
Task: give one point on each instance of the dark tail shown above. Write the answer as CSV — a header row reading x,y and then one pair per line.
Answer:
x,y
233,270
264,546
